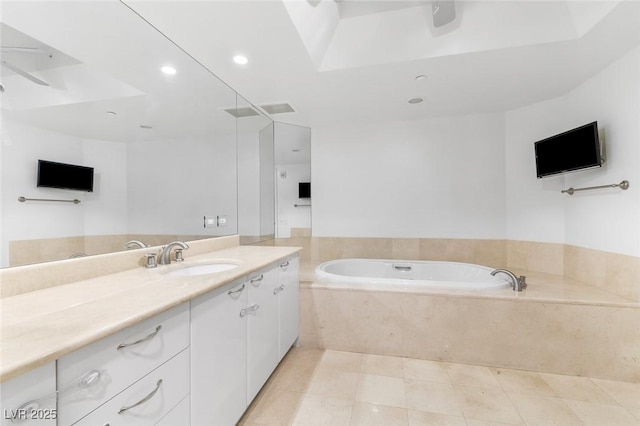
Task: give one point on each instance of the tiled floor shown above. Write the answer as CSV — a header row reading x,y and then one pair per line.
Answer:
x,y
331,388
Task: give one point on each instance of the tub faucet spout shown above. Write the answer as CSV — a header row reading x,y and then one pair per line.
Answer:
x,y
165,255
517,283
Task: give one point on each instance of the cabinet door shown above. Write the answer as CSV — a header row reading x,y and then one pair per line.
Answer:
x,y
219,356
262,339
30,399
288,291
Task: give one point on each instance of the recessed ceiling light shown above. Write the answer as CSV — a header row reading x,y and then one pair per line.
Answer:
x,y
415,100
146,126
169,70
421,77
240,60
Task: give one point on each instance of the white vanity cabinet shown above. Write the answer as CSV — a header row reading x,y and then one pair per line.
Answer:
x,y
30,399
262,329
219,355
239,333
288,292
98,373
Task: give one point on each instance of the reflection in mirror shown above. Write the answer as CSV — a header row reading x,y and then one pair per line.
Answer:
x,y
293,179
256,186
162,147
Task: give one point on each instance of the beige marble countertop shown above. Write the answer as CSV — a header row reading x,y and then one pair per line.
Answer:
x,y
41,326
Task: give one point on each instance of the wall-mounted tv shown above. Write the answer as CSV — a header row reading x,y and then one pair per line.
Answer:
x,y
572,150
304,190
64,176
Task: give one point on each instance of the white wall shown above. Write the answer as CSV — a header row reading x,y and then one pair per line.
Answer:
x,y
440,177
290,216
103,211
606,219
248,183
167,197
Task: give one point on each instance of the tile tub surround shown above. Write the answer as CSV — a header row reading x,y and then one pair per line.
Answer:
x,y
615,273
562,327
325,387
45,324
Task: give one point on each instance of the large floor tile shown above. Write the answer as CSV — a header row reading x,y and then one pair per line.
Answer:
x,y
486,404
333,383
322,411
365,414
593,414
578,388
380,365
625,393
523,381
382,390
472,375
277,407
423,418
538,410
420,369
432,397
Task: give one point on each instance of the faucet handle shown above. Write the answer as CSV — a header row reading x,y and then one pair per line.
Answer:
x,y
179,257
522,280
151,260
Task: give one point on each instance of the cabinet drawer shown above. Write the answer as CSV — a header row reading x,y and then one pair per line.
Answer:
x,y
179,416
117,361
148,400
35,390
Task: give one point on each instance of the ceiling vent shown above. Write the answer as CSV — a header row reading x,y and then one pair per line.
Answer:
x,y
277,108
242,112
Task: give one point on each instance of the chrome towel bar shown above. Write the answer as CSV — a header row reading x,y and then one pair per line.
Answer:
x,y
622,185
23,199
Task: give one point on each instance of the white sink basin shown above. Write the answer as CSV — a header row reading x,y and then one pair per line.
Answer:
x,y
211,268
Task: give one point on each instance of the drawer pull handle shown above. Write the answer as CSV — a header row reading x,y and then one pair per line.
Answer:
x,y
256,280
230,292
144,339
402,268
143,400
284,265
245,311
278,289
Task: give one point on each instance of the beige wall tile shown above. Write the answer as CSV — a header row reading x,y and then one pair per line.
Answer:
x,y
622,276
405,249
585,265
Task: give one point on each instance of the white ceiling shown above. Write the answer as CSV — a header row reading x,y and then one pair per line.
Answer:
x,y
333,61
357,60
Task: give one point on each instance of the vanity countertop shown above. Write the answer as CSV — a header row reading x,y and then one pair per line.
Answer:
x,y
41,326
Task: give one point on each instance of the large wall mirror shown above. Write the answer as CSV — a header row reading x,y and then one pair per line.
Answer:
x,y
169,149
293,180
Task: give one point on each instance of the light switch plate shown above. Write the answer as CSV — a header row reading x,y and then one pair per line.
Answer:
x,y
210,221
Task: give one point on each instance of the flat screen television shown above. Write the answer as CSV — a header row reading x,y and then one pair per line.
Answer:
x,y
64,176
304,190
572,150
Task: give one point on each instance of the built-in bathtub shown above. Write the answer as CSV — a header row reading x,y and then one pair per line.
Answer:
x,y
404,275
557,325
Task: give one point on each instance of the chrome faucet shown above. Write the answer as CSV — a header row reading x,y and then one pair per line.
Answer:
x,y
165,255
518,283
135,244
